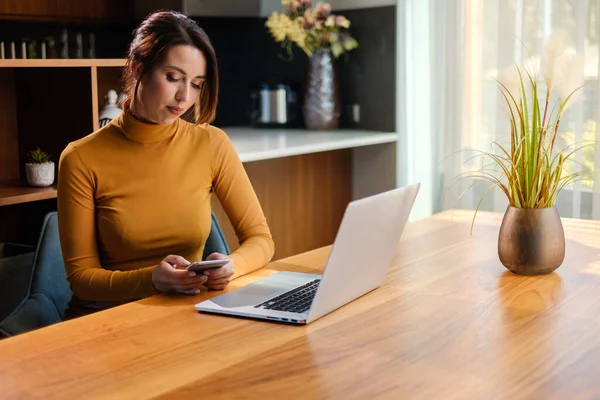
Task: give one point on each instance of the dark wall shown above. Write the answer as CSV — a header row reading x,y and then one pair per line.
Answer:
x,y
249,56
368,77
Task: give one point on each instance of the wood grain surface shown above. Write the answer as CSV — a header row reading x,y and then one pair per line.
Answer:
x,y
16,192
449,322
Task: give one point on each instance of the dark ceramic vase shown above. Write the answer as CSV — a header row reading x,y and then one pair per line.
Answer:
x,y
322,99
531,240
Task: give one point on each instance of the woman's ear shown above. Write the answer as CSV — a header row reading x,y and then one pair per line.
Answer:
x,y
135,70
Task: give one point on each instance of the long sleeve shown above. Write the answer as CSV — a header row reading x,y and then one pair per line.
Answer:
x,y
77,227
235,192
132,193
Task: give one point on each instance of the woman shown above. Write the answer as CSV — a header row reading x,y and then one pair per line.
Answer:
x,y
134,196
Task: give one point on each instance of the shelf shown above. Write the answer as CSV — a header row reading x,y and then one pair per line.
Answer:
x,y
83,62
16,193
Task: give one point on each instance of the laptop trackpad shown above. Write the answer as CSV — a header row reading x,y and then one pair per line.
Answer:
x,y
254,293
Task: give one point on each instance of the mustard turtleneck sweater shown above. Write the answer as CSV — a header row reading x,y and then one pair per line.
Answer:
x,y
132,193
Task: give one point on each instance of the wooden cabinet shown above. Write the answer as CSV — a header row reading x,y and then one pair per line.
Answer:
x,y
68,10
94,9
99,10
27,8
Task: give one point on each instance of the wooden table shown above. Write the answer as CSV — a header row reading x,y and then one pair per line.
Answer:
x,y
449,323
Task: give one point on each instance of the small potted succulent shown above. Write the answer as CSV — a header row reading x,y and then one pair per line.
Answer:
x,y
39,169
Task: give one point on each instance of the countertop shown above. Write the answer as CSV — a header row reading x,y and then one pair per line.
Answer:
x,y
254,144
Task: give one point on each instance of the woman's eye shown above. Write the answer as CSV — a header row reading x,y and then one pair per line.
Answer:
x,y
170,78
196,86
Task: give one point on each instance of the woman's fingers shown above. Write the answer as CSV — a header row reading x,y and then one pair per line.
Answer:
x,y
223,272
217,273
219,281
176,261
218,284
168,277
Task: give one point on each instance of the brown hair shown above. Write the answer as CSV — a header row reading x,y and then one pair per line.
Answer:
x,y
153,38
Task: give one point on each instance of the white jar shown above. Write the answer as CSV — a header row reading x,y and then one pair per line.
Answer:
x,y
40,175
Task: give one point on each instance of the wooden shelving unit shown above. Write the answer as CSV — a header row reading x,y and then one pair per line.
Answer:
x,y
78,11
46,103
17,193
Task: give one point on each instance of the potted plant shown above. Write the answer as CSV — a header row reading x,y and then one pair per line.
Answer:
x,y
533,170
39,169
323,37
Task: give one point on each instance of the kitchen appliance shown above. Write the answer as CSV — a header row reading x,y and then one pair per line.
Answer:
x,y
274,105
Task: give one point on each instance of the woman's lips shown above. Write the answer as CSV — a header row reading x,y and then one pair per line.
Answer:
x,y
175,110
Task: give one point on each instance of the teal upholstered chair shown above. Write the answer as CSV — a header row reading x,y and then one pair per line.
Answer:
x,y
44,300
47,293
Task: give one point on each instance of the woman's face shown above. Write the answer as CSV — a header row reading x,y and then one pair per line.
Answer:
x,y
172,87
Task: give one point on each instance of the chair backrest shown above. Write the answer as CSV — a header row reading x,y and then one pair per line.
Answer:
x,y
49,276
49,291
216,242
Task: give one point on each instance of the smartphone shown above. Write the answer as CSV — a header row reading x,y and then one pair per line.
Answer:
x,y
200,266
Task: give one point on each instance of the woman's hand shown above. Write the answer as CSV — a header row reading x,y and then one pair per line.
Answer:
x,y
166,277
219,278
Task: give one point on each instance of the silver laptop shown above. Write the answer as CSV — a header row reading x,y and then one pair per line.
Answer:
x,y
362,252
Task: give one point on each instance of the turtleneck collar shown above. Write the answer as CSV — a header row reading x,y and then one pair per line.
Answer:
x,y
144,132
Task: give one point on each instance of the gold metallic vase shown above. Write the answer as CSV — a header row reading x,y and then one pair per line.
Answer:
x,y
531,240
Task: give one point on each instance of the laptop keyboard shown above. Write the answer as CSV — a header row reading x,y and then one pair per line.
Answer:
x,y
296,301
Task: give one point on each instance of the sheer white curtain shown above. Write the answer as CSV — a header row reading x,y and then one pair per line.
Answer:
x,y
449,52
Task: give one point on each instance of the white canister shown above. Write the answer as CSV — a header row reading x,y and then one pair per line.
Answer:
x,y
40,175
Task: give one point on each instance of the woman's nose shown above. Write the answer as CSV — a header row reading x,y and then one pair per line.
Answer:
x,y
183,93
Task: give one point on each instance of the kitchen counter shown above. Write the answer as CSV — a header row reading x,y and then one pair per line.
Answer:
x,y
254,144
305,179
